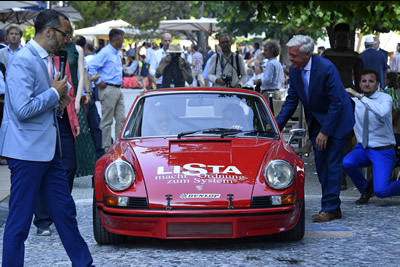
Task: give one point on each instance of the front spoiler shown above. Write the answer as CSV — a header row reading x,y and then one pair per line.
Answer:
x,y
181,224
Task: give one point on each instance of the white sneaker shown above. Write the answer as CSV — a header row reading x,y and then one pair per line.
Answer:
x,y
43,231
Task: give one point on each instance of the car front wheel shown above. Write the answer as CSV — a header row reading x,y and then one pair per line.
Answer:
x,y
297,232
101,234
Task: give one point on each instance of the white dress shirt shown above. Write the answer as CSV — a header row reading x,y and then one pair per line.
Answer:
x,y
155,62
380,126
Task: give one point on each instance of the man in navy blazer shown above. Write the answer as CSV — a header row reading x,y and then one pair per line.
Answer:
x,y
315,81
30,140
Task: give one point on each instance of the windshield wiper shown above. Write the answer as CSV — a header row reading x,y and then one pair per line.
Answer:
x,y
268,133
222,131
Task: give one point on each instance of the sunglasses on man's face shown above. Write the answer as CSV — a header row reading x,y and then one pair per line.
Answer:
x,y
66,35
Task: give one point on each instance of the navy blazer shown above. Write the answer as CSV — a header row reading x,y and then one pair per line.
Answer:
x,y
329,103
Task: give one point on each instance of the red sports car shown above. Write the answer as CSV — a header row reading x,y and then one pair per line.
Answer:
x,y
199,163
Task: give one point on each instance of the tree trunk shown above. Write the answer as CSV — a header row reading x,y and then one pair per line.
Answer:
x,y
201,41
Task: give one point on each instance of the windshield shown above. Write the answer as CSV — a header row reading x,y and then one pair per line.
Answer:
x,y
193,114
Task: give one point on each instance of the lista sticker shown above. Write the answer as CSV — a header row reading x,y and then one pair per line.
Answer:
x,y
198,169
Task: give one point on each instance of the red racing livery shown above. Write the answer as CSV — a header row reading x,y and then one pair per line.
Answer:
x,y
199,163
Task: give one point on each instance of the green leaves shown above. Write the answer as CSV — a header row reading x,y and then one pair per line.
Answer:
x,y
278,19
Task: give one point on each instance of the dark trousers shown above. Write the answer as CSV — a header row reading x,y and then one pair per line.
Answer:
x,y
28,180
42,218
347,149
329,169
93,119
1,108
269,95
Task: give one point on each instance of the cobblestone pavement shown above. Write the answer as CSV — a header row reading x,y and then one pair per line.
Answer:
x,y
366,236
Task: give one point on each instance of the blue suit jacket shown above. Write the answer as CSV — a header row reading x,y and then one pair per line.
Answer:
x,y
373,59
29,126
329,103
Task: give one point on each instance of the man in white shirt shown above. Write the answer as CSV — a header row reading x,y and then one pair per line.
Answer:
x,y
227,69
395,64
375,140
273,74
166,39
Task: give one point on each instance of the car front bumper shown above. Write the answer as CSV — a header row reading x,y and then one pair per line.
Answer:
x,y
181,224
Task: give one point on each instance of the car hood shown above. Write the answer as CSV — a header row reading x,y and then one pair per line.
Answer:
x,y
201,172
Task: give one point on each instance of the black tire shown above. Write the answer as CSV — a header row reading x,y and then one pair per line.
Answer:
x,y
101,234
297,232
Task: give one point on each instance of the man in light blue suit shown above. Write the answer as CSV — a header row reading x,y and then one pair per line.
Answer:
x,y
30,140
315,81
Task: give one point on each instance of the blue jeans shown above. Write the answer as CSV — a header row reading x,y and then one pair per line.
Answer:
x,y
382,161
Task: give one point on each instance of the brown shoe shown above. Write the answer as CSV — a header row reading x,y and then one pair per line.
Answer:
x,y
367,194
324,216
338,214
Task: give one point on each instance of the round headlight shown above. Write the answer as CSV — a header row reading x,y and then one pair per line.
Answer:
x,y
119,175
278,174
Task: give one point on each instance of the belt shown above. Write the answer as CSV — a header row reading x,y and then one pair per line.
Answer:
x,y
382,147
115,85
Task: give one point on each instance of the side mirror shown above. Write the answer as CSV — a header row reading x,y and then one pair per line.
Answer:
x,y
296,134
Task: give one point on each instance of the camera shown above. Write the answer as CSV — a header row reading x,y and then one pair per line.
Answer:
x,y
227,80
175,57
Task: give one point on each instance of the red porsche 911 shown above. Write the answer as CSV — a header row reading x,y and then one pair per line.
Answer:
x,y
199,163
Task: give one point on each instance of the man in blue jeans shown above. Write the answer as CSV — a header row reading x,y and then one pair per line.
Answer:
x,y
374,133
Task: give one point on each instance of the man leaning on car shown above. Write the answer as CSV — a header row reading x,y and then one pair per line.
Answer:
x,y
315,81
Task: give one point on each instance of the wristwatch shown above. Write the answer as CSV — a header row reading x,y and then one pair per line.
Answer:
x,y
360,96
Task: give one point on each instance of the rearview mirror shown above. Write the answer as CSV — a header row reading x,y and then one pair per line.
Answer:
x,y
296,134
200,102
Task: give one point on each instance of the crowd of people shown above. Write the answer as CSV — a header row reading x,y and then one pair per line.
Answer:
x,y
51,130
189,66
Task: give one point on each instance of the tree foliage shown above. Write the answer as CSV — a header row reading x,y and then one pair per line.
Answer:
x,y
281,20
95,12
143,15
278,20
307,17
249,17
